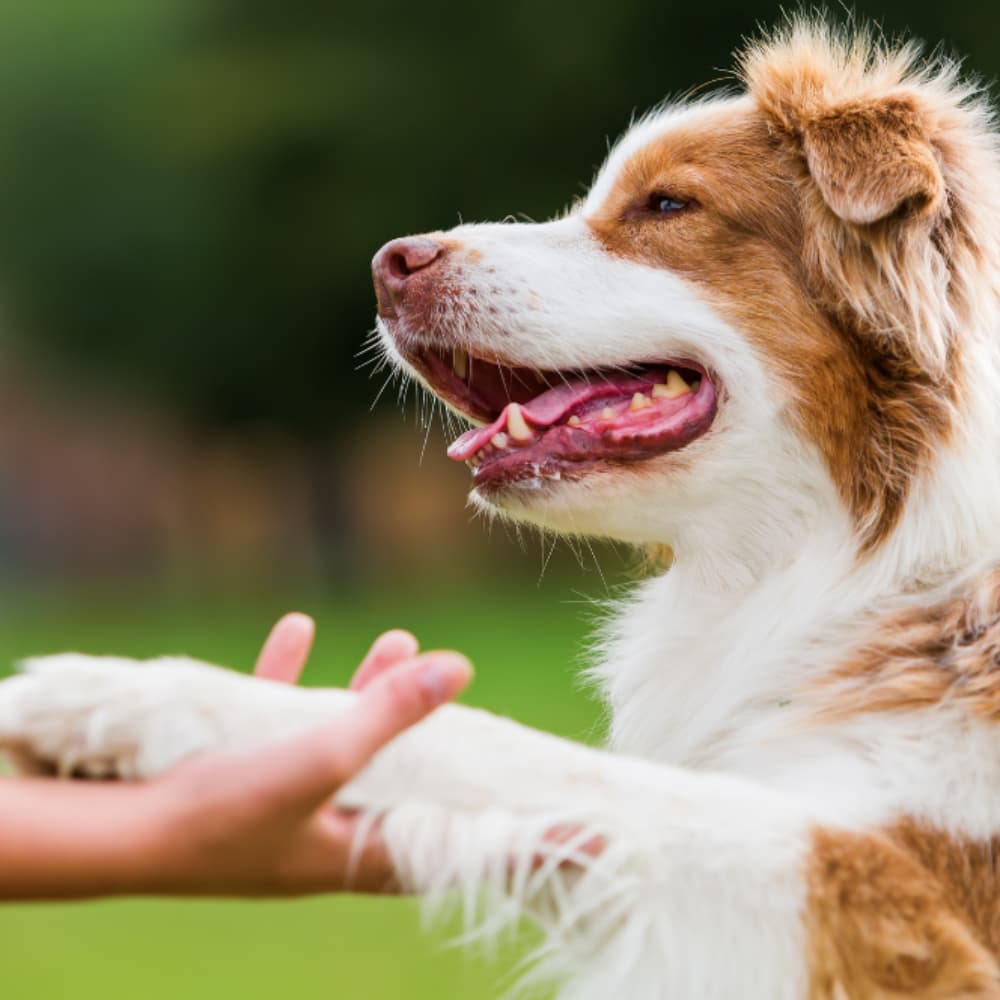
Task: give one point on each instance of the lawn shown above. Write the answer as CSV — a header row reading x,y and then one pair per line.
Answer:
x,y
525,643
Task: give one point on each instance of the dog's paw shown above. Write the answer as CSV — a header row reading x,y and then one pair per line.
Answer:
x,y
105,717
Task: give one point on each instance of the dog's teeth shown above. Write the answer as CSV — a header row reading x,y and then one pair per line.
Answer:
x,y
607,413
574,421
639,402
499,441
460,362
675,386
517,426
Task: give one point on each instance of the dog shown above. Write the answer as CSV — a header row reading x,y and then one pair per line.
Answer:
x,y
767,342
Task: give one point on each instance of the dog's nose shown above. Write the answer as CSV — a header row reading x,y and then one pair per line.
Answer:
x,y
396,263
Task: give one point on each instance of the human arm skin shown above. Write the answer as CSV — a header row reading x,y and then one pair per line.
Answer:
x,y
247,823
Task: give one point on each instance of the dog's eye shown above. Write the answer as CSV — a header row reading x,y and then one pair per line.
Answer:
x,y
663,204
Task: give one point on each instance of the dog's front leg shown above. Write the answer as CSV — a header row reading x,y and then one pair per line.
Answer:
x,y
659,883
702,886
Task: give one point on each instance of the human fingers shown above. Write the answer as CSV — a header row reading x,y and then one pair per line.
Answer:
x,y
286,649
581,845
314,766
394,701
388,650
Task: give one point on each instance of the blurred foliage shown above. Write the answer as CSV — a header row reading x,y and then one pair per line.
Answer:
x,y
191,190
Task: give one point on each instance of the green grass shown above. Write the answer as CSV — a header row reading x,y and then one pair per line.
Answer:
x,y
525,644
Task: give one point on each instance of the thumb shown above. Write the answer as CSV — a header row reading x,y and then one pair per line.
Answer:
x,y
395,700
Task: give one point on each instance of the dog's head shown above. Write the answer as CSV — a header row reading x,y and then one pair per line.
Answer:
x,y
763,313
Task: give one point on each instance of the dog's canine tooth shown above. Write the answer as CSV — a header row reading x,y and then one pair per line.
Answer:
x,y
460,362
517,426
675,386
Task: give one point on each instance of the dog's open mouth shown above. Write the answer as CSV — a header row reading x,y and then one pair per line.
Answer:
x,y
543,424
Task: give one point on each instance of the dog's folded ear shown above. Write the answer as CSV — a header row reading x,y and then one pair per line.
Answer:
x,y
874,139
871,159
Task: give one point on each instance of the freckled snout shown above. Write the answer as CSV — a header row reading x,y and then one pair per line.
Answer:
x,y
394,268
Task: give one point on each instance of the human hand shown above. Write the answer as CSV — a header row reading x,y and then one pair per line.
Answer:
x,y
251,823
261,822
284,656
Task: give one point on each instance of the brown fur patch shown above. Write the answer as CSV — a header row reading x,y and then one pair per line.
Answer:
x,y
904,912
880,152
948,652
871,406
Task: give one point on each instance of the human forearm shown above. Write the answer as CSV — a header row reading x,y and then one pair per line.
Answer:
x,y
76,840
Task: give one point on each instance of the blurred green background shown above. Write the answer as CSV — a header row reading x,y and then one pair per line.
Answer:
x,y
190,194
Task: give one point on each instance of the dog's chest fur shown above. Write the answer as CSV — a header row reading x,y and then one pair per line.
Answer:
x,y
815,694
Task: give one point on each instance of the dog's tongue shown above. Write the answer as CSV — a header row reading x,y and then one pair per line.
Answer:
x,y
545,410
556,402
467,444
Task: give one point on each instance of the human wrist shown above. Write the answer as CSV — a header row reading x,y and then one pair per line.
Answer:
x,y
184,842
153,862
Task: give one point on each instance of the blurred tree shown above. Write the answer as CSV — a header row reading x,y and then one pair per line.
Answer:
x,y
191,190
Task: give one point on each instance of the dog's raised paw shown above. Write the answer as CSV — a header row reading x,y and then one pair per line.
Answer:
x,y
100,717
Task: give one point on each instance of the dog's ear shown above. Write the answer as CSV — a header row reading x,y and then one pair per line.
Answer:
x,y
871,159
867,132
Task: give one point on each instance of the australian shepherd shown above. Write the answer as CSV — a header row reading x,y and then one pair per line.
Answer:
x,y
767,344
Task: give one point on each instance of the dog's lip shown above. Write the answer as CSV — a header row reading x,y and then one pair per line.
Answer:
x,y
582,397
546,423
564,451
